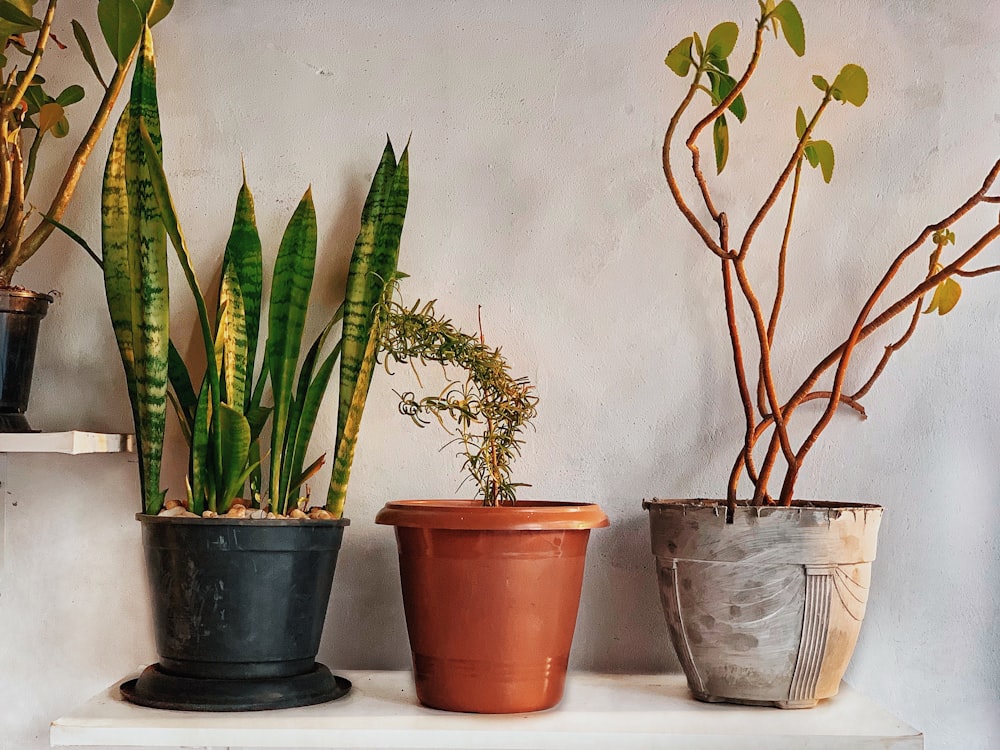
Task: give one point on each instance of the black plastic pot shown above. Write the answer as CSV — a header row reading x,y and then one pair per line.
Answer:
x,y
238,610
20,313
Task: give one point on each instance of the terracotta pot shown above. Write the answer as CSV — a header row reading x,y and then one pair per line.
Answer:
x,y
765,610
20,313
491,597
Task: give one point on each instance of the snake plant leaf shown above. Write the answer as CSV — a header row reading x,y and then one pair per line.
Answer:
x,y
290,287
679,59
122,25
344,457
370,278
361,295
306,474
198,470
87,50
168,216
235,452
373,265
791,26
851,85
305,407
243,253
233,338
180,382
135,270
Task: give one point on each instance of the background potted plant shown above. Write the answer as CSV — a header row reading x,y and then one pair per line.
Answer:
x,y
31,114
764,597
240,587
491,587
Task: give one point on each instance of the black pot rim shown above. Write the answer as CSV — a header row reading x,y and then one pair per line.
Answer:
x,y
256,522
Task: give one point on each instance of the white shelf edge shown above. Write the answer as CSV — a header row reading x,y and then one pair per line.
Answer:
x,y
599,711
73,442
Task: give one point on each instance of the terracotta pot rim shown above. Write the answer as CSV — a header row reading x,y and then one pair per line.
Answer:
x,y
743,506
471,515
260,522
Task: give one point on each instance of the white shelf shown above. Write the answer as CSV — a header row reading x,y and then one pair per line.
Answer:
x,y
598,712
74,442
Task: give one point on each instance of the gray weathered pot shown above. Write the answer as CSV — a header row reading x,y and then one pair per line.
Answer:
x,y
765,610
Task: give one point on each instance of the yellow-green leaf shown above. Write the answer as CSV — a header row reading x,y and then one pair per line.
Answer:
x,y
720,134
722,39
851,85
946,296
49,115
800,123
791,26
679,57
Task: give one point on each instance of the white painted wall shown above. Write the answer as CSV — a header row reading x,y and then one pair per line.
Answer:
x,y
537,192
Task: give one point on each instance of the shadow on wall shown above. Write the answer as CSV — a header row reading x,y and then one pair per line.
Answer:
x,y
621,626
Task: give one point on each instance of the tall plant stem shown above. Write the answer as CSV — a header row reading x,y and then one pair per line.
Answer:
x,y
741,380
861,330
76,165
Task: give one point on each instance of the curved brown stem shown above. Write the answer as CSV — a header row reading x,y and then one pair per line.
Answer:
x,y
741,380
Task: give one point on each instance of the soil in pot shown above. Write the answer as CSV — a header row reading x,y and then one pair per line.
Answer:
x,y
238,611
765,610
491,598
21,311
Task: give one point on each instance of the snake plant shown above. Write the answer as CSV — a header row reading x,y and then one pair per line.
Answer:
x,y
223,418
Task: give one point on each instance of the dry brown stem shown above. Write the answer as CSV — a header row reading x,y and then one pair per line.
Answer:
x,y
769,413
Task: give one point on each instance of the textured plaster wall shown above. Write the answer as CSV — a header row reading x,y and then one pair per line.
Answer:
x,y
537,193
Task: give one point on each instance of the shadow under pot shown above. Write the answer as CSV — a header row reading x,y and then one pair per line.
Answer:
x,y
21,311
765,610
491,596
238,611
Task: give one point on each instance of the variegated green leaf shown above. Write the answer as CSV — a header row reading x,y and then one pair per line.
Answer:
x,y
235,451
233,337
293,274
199,463
243,253
134,249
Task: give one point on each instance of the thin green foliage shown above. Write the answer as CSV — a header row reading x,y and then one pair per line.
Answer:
x,y
489,407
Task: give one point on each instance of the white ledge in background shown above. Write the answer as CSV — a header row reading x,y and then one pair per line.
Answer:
x,y
598,712
74,442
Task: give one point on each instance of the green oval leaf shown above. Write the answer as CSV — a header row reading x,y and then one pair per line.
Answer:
x,y
87,50
720,135
698,46
121,23
679,57
16,18
820,83
851,85
70,95
824,156
791,26
722,40
800,123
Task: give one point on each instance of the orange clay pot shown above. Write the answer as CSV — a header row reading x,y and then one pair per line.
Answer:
x,y
491,597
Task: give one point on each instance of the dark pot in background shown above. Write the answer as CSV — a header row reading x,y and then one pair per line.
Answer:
x,y
238,611
491,598
20,313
